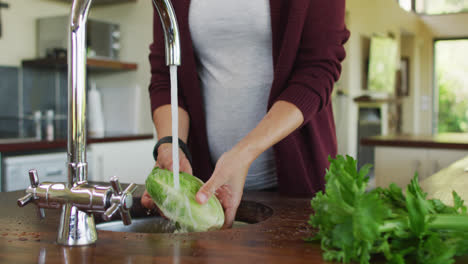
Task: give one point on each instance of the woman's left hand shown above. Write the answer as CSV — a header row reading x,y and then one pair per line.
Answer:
x,y
227,183
228,178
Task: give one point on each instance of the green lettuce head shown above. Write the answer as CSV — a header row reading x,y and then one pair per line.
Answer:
x,y
180,205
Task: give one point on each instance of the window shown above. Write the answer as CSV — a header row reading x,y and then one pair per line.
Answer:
x,y
451,85
436,7
406,4
383,56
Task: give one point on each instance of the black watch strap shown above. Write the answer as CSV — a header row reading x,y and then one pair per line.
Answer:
x,y
168,139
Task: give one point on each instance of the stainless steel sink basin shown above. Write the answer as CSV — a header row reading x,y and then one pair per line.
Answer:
x,y
249,212
153,224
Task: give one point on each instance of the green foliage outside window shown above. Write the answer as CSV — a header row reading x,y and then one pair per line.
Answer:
x,y
382,64
442,6
452,84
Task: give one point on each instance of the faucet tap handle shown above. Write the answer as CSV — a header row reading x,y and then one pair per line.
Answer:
x,y
23,201
116,185
33,178
41,213
127,203
121,201
30,197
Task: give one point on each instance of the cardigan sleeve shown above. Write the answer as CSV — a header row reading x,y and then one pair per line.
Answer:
x,y
318,63
160,85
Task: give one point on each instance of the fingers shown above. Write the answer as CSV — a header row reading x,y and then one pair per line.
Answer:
x,y
229,203
224,195
157,165
209,188
229,216
165,159
185,166
160,212
165,163
146,201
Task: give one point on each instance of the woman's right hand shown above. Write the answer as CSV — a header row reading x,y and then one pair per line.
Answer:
x,y
165,159
165,162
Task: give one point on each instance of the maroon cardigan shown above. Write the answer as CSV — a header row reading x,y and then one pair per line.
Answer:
x,y
308,38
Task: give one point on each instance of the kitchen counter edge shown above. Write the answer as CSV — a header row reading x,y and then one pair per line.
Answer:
x,y
439,141
62,143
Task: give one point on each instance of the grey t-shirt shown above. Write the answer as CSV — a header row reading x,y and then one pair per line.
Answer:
x,y
233,44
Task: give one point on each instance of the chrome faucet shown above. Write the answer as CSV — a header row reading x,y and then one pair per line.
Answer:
x,y
77,199
171,31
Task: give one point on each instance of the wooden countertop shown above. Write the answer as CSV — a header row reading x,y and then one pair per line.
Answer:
x,y
26,239
278,239
441,141
29,145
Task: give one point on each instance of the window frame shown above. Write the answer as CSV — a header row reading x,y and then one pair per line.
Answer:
x,y
435,88
413,6
415,9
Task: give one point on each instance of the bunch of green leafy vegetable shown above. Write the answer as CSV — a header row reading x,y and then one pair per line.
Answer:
x,y
179,205
357,225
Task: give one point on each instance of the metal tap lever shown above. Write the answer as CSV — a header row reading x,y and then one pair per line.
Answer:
x,y
33,178
30,197
121,201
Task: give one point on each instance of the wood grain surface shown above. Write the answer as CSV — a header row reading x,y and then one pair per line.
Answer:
x,y
277,239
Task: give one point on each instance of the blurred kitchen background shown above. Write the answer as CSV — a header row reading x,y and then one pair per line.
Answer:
x,y
400,104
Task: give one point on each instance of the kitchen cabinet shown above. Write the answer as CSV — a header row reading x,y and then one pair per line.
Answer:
x,y
126,145
398,164
131,161
51,167
48,77
93,64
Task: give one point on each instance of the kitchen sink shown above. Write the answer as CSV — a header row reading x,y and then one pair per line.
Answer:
x,y
153,224
249,212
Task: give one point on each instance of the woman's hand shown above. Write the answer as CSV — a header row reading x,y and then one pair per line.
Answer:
x,y
165,159
227,183
165,162
228,178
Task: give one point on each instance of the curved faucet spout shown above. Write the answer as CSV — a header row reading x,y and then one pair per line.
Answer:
x,y
171,31
77,166
77,199
79,13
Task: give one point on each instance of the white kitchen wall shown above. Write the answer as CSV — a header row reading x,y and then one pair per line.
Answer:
x,y
19,42
448,26
364,19
19,31
136,23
